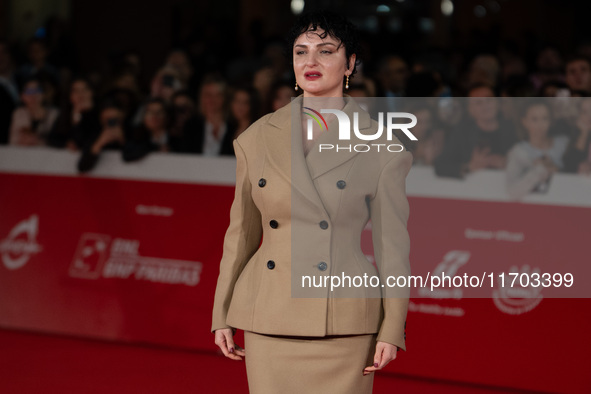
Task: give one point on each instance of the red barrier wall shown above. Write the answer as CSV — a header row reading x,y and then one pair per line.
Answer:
x,y
137,260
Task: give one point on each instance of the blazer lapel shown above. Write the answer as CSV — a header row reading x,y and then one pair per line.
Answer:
x,y
321,162
285,149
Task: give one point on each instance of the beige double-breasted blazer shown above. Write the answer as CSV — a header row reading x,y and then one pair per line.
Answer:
x,y
310,212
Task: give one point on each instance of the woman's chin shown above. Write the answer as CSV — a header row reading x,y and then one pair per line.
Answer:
x,y
319,91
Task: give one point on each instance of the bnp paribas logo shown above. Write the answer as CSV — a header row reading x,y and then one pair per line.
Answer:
x,y
345,130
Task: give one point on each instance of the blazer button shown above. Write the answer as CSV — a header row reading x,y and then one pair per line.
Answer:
x,y
323,224
273,223
262,182
322,266
341,184
270,264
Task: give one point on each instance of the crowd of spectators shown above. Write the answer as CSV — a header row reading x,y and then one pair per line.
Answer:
x,y
41,105
201,113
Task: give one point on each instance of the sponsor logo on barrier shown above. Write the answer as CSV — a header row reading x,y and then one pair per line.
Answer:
x,y
21,243
452,261
97,256
516,300
90,256
436,309
154,210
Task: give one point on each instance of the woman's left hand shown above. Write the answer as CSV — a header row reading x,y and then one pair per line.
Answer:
x,y
385,352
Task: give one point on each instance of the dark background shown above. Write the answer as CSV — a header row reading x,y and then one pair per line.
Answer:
x,y
225,29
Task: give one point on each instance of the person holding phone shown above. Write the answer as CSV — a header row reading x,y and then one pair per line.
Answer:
x,y
310,221
165,83
152,135
531,162
112,135
78,114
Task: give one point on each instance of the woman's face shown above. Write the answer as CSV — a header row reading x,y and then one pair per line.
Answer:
x,y
536,121
241,105
32,95
155,117
320,64
81,95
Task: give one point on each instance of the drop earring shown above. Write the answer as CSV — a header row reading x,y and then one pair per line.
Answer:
x,y
347,83
296,86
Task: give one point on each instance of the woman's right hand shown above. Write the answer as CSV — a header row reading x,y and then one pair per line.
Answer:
x,y
224,339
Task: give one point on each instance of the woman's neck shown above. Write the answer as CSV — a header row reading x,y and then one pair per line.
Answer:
x,y
318,103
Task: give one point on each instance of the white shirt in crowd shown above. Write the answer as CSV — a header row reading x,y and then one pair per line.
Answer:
x,y
22,119
524,175
211,146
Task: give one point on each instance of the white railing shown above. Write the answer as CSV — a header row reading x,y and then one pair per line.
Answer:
x,y
485,185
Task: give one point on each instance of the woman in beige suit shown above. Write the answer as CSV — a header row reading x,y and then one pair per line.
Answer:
x,y
310,206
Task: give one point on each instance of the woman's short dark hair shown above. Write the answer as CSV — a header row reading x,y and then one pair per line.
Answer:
x,y
334,25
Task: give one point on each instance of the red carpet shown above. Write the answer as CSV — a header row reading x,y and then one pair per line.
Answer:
x,y
41,363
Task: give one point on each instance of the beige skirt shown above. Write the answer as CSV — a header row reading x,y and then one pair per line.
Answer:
x,y
277,364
